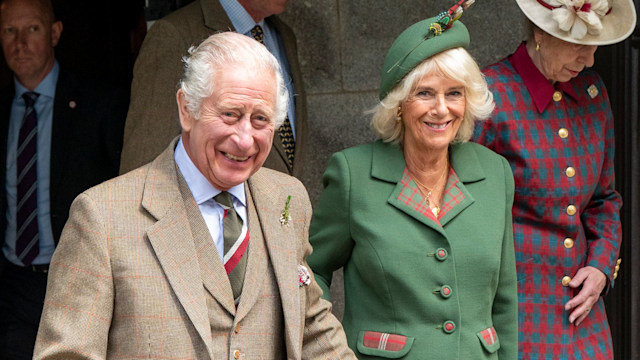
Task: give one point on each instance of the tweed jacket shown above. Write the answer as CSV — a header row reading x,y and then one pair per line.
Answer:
x,y
153,120
416,288
86,139
566,210
128,278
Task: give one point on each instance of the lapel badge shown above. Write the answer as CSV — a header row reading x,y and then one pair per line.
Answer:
x,y
593,91
285,217
72,104
304,276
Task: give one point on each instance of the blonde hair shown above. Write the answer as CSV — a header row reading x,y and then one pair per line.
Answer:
x,y
456,64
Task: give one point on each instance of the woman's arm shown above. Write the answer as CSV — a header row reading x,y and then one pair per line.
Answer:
x,y
505,303
330,233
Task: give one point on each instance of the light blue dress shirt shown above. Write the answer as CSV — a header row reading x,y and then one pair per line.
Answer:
x,y
243,23
44,111
203,193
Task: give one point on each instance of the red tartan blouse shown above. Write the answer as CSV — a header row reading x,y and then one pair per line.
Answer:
x,y
559,140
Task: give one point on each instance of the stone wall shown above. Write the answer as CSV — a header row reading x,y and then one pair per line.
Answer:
x,y
342,45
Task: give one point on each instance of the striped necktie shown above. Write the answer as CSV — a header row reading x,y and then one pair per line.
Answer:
x,y
236,240
27,238
285,131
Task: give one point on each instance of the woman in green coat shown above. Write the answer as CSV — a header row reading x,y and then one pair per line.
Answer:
x,y
421,219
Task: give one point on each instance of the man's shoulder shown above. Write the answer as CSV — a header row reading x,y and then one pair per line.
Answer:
x,y
6,94
191,11
275,178
92,89
157,176
126,186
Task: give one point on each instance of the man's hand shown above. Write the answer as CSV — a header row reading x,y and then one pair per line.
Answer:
x,y
592,281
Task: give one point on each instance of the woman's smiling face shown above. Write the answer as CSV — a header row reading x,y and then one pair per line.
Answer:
x,y
432,113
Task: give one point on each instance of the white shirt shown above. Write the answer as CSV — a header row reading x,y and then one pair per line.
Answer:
x,y
203,193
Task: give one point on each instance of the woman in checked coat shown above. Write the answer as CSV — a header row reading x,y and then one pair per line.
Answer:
x,y
554,124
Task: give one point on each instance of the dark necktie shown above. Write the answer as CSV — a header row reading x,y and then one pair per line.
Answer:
x,y
285,131
27,244
235,243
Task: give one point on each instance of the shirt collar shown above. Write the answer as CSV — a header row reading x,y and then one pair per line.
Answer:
x,y
200,187
47,86
240,18
539,87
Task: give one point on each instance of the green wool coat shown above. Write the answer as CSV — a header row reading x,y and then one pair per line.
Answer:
x,y
395,269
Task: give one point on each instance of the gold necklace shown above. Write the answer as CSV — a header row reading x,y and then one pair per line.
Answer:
x,y
436,208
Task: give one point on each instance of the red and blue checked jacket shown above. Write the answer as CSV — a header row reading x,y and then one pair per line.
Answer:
x,y
559,142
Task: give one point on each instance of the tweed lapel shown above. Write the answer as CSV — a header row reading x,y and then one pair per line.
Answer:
x,y
387,164
172,241
277,142
290,47
256,263
211,12
281,246
466,164
214,276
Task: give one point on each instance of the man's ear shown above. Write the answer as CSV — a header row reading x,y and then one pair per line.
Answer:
x,y
186,120
56,31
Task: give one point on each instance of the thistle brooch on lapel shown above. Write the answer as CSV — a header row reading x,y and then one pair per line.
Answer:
x,y
285,217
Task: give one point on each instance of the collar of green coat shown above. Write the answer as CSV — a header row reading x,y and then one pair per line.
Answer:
x,y
388,163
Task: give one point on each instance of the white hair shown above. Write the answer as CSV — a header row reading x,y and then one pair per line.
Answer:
x,y
218,51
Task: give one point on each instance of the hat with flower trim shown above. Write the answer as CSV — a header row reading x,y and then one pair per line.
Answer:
x,y
585,22
422,40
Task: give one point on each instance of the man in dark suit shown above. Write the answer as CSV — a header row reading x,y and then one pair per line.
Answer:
x,y
59,135
152,120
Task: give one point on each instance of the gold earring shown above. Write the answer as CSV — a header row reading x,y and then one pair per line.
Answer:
x,y
537,46
399,114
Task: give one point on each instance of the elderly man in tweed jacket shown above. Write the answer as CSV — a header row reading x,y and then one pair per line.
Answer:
x,y
200,254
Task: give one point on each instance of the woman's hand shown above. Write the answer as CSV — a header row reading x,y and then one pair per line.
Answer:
x,y
592,281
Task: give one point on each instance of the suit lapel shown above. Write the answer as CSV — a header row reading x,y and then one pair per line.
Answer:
x,y
212,272
281,247
6,100
388,164
215,18
466,164
172,240
288,42
256,263
64,118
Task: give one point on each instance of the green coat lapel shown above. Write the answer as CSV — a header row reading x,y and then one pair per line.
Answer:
x,y
466,164
388,164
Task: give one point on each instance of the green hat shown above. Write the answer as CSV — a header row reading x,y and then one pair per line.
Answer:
x,y
417,43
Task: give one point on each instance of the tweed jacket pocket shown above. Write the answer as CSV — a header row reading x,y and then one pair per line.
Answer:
x,y
489,339
391,346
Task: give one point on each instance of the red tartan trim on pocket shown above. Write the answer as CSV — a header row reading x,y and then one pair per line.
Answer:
x,y
489,336
384,341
